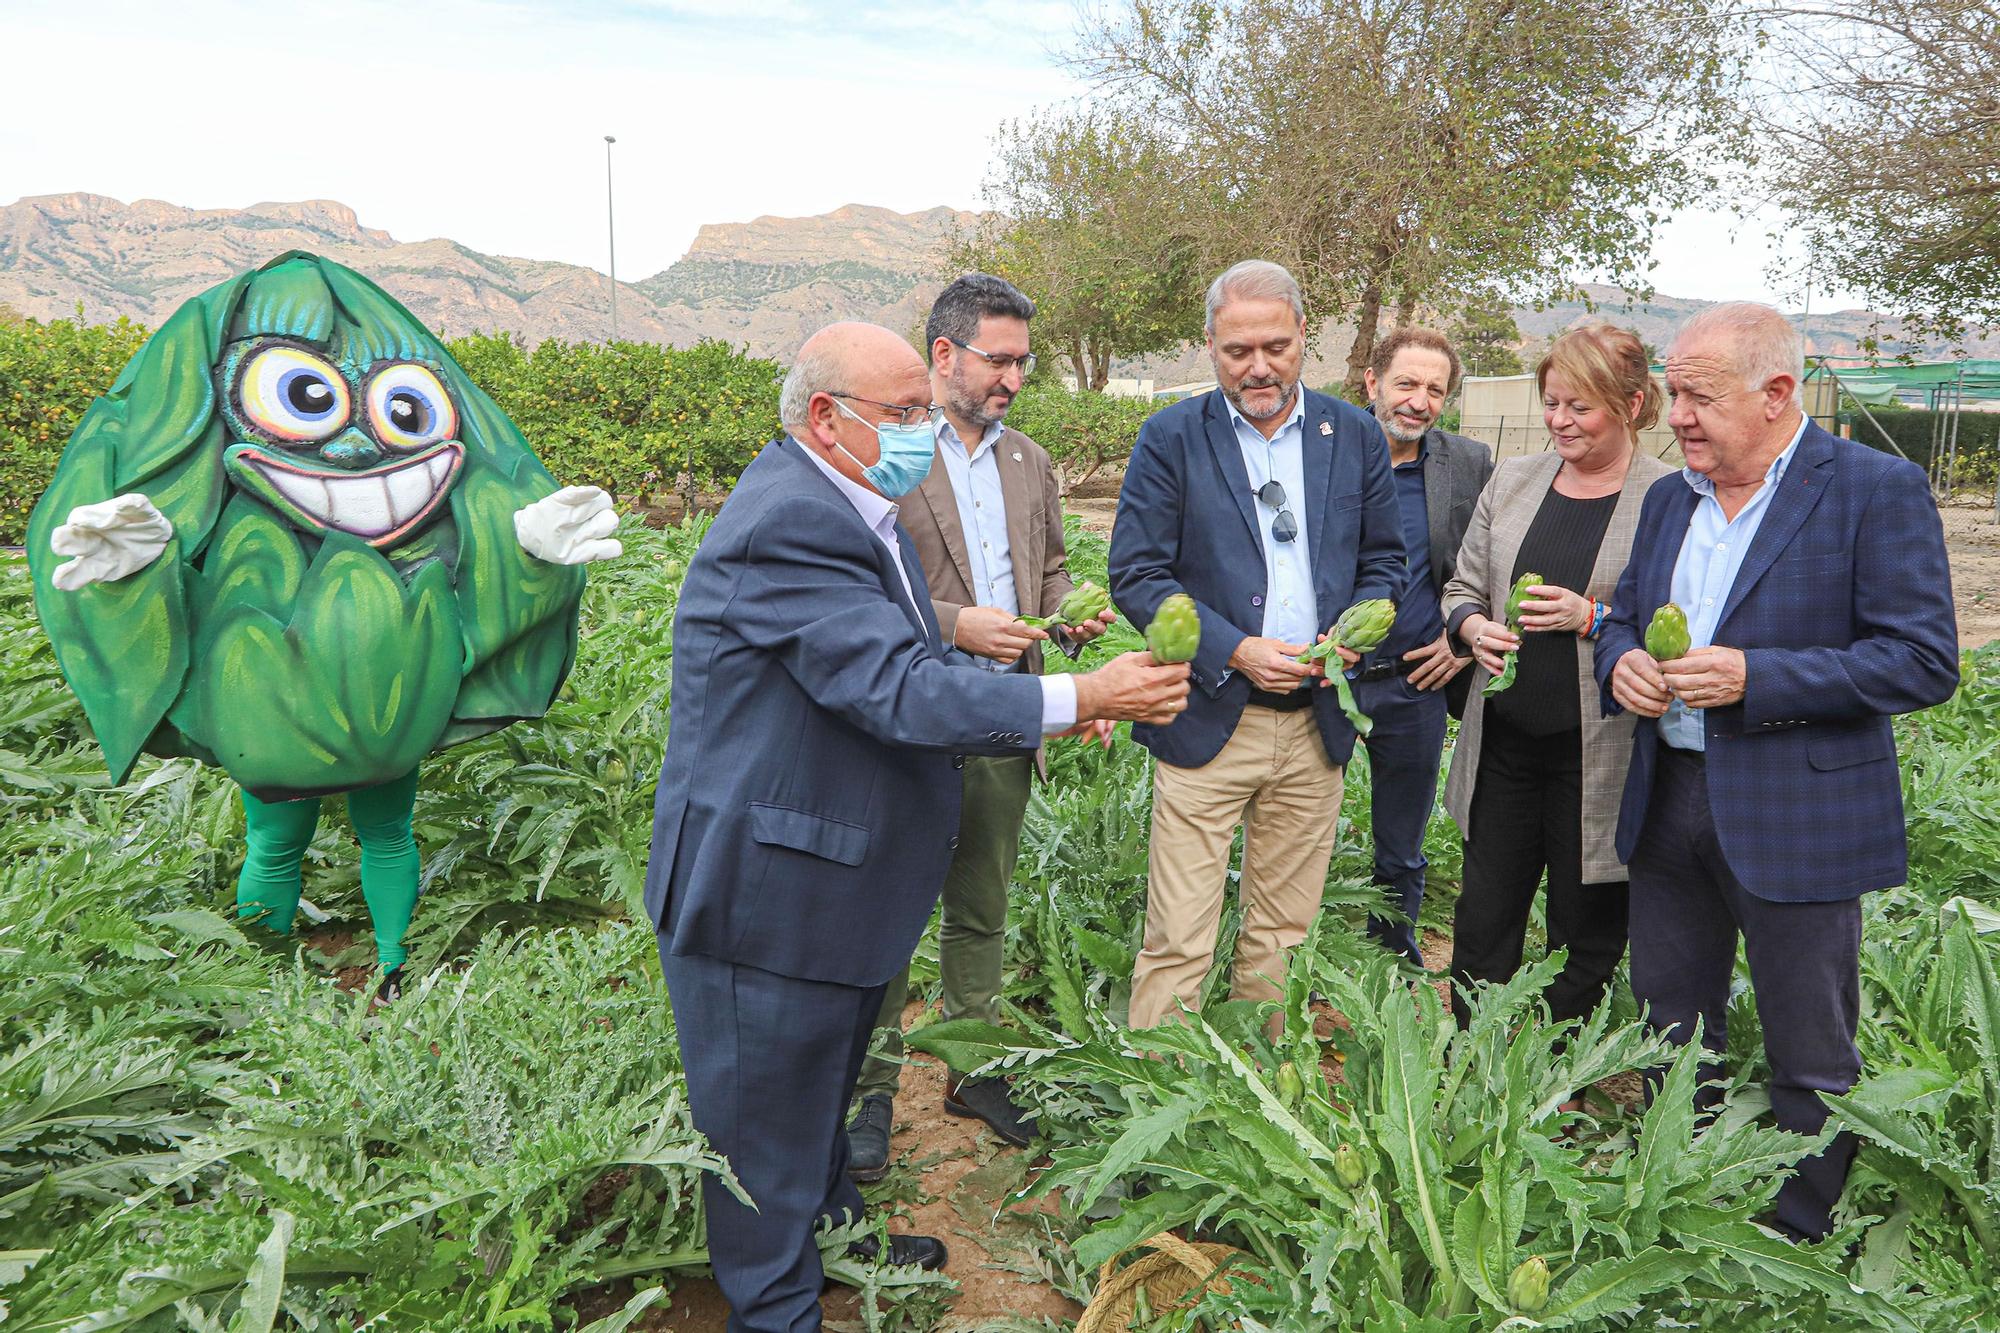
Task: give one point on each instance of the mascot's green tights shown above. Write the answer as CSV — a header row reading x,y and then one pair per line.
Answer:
x,y
279,832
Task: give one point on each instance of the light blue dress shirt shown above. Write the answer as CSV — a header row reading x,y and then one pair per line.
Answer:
x,y
1711,554
1291,613
982,517
1058,691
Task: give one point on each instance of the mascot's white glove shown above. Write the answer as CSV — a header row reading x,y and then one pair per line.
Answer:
x,y
571,527
109,539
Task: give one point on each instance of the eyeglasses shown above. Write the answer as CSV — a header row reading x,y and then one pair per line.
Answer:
x,y
1285,527
906,416
1003,364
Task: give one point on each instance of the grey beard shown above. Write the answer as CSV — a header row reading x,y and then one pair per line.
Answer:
x,y
1284,404
1396,430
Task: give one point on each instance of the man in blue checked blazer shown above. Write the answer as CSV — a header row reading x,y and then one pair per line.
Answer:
x,y
1273,508
1764,797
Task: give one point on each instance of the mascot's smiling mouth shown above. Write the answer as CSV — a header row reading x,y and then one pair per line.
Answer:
x,y
380,506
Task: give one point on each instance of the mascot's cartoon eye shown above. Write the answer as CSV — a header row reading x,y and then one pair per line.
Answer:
x,y
294,395
408,407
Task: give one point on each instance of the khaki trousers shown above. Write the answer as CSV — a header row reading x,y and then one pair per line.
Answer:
x,y
1274,778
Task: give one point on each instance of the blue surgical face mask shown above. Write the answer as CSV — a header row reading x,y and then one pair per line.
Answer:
x,y
906,455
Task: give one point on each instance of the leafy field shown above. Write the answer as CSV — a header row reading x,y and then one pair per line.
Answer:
x,y
207,1128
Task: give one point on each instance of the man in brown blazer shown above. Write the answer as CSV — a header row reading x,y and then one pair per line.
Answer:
x,y
987,527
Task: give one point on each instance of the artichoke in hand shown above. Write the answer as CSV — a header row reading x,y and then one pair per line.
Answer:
x,y
1667,635
1175,634
1086,601
1361,629
1515,597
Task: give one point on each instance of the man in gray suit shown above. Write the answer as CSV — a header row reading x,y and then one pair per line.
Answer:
x,y
1402,685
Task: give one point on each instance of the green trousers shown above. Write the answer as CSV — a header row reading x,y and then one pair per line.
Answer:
x,y
972,936
278,833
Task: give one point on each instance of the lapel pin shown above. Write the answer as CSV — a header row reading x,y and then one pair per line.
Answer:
x,y
1017,458
1326,428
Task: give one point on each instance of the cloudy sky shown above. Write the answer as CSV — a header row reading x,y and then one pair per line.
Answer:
x,y
484,121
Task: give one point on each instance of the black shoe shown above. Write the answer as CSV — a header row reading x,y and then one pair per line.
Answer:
x,y
926,1252
391,989
868,1139
986,1099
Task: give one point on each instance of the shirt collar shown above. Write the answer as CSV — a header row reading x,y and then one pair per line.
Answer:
x,y
1772,475
1296,417
878,513
947,436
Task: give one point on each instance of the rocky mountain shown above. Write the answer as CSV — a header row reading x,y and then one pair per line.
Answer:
x,y
765,283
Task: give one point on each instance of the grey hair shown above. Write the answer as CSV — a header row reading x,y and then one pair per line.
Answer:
x,y
814,372
955,315
1253,280
1763,344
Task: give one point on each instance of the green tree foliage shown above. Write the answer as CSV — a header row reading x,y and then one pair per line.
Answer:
x,y
1082,227
1084,431
635,418
48,375
1486,338
1888,151
1431,152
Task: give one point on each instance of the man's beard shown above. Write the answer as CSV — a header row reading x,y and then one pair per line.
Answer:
x,y
975,408
1286,388
1397,431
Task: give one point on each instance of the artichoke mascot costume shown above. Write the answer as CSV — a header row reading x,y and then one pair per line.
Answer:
x,y
308,550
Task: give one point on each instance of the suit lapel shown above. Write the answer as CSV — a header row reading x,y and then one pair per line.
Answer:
x,y
1438,496
1013,466
1316,451
1229,457
1798,492
936,492
916,603
1664,554
1618,533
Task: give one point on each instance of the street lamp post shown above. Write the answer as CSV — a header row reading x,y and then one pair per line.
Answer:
x,y
611,227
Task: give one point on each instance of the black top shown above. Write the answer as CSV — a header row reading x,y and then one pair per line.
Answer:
x,y
1560,545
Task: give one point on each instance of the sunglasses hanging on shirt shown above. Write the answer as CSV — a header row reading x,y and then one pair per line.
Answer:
x,y
1284,527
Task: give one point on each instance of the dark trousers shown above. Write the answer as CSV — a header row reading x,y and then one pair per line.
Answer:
x,y
1527,818
1805,972
1403,752
770,1064
972,936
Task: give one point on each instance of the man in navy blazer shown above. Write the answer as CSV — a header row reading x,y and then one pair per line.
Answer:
x,y
808,805
1765,798
1273,508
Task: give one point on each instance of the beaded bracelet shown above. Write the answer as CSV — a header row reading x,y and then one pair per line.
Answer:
x,y
1598,612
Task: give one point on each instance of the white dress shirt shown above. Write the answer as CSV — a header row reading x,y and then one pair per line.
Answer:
x,y
1058,691
1711,555
1291,612
982,517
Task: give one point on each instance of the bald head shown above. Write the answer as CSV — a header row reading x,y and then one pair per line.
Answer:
x,y
865,360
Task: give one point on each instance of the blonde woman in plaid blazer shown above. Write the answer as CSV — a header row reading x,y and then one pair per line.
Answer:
x,y
1537,773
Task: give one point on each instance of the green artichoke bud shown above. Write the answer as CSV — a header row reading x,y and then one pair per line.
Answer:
x,y
615,772
1291,1088
1361,628
1667,635
1515,597
1519,595
1175,634
1086,601
1347,1167
1528,1287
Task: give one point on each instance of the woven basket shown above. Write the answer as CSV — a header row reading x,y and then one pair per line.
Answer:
x,y
1177,1274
